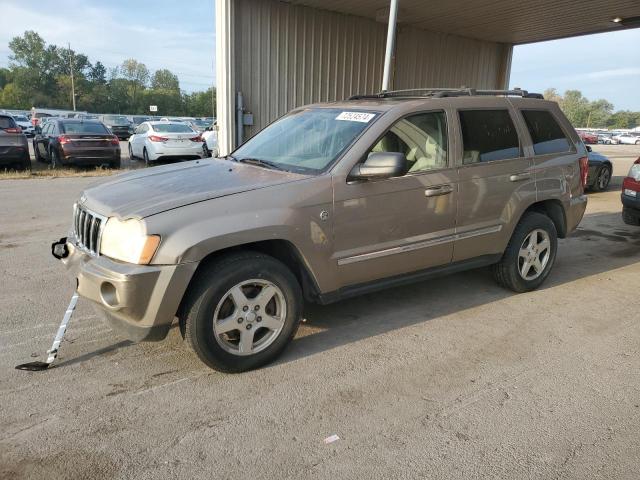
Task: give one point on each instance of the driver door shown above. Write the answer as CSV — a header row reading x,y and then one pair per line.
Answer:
x,y
395,226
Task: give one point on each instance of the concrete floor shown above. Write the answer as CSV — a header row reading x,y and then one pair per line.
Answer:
x,y
454,378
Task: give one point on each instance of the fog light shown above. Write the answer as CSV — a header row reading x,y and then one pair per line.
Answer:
x,y
109,294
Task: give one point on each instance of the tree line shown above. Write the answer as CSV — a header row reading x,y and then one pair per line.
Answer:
x,y
584,113
40,75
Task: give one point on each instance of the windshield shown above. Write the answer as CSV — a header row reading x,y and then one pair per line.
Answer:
x,y
306,140
20,118
80,127
116,119
172,128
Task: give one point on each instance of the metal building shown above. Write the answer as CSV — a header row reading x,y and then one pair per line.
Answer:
x,y
274,55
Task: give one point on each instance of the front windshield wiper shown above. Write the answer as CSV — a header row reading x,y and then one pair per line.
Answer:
x,y
261,163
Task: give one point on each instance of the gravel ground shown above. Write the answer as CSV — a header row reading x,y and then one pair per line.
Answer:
x,y
454,378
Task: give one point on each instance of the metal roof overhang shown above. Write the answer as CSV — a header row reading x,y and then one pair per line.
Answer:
x,y
505,21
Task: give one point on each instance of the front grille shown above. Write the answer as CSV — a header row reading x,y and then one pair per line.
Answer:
x,y
87,228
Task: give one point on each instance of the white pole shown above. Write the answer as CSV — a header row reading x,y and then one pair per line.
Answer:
x,y
225,76
391,36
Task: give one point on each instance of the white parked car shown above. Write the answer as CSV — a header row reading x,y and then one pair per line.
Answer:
x,y
165,141
25,124
628,138
211,142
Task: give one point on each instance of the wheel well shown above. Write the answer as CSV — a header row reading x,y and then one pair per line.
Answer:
x,y
282,250
555,211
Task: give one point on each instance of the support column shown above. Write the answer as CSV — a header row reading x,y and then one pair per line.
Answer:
x,y
391,38
225,76
504,72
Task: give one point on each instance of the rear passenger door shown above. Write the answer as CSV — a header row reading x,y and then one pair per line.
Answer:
x,y
496,178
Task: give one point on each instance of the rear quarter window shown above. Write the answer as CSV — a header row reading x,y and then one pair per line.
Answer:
x,y
546,134
488,135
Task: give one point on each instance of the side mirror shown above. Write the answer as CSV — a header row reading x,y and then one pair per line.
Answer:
x,y
589,149
380,165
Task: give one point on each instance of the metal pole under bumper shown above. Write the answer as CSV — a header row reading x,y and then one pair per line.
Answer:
x,y
391,36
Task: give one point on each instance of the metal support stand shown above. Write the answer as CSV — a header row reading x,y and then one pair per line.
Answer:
x,y
53,351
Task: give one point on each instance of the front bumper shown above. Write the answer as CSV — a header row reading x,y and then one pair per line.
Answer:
x,y
630,202
138,301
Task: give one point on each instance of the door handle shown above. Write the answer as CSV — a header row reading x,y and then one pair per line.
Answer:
x,y
439,190
518,177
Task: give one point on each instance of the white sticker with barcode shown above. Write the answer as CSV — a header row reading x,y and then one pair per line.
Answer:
x,y
356,117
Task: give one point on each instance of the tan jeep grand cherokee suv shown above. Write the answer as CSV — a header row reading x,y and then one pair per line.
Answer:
x,y
330,201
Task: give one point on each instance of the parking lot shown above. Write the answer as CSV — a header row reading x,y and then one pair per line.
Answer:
x,y
454,378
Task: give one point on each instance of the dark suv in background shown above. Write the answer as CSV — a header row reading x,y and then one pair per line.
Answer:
x,y
14,148
118,124
78,142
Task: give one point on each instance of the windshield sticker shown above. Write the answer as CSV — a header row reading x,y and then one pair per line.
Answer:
x,y
356,117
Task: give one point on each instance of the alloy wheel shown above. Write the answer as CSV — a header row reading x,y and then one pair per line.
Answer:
x,y
534,254
603,178
249,317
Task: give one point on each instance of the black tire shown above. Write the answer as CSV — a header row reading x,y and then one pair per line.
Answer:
x,y
630,218
145,156
206,151
54,158
131,155
116,163
209,288
602,180
507,270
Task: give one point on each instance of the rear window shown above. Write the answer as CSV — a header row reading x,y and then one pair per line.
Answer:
x,y
116,119
546,134
7,122
488,135
172,128
80,127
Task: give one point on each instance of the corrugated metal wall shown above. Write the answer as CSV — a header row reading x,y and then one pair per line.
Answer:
x,y
289,55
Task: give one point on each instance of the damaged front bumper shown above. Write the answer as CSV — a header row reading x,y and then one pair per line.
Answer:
x,y
138,301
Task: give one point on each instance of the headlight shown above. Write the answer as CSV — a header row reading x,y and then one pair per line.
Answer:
x,y
635,172
127,241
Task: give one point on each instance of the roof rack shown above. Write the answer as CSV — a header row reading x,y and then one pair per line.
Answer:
x,y
447,92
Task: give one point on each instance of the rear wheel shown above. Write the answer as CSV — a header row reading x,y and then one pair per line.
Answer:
x,y
241,311
116,163
530,255
55,158
630,217
36,153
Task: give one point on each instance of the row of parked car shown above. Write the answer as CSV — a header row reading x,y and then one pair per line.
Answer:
x,y
90,141
610,138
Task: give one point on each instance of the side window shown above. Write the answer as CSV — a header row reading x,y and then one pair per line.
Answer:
x,y
488,135
421,138
546,134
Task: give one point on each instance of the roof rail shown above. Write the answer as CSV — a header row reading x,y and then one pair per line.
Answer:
x,y
447,92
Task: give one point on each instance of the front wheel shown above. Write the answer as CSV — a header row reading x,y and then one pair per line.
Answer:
x,y
603,178
145,156
530,255
131,156
241,311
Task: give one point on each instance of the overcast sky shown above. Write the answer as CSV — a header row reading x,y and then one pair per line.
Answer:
x,y
179,36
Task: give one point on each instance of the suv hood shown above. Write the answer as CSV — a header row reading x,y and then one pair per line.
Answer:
x,y
154,190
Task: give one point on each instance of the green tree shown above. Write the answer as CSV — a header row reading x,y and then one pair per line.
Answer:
x,y
164,79
137,75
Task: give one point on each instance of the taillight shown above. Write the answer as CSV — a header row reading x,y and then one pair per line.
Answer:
x,y
197,139
584,170
115,140
13,130
156,138
63,139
